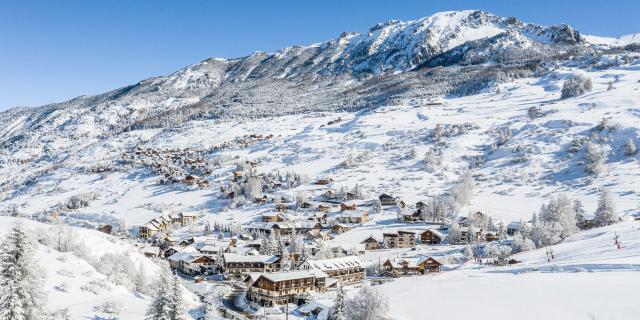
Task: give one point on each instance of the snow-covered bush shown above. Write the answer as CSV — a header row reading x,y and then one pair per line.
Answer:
x,y
367,304
606,212
112,308
595,158
576,86
80,200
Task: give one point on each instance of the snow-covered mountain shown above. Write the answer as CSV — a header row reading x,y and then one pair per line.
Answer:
x,y
410,64
406,108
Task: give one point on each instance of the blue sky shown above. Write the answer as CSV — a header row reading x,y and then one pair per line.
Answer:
x,y
52,51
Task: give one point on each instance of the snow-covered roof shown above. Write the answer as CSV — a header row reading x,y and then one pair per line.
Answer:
x,y
334,263
288,275
152,249
238,258
353,214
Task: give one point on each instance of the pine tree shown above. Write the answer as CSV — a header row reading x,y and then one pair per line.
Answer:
x,y
175,308
338,311
454,234
630,147
21,295
159,307
605,213
578,209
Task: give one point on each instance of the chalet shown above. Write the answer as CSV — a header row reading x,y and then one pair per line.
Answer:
x,y
203,184
330,194
306,205
235,264
191,264
413,216
151,251
106,228
402,239
148,230
353,217
323,208
586,222
317,235
346,270
514,227
431,236
169,252
406,239
491,236
324,182
346,207
411,266
190,180
476,234
320,217
390,240
281,207
371,243
304,226
261,200
184,218
272,217
270,289
387,200
340,228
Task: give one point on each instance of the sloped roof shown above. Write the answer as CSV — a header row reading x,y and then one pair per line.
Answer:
x,y
335,263
238,258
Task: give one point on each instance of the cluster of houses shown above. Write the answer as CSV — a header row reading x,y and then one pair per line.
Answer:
x,y
404,239
267,281
275,288
164,222
183,165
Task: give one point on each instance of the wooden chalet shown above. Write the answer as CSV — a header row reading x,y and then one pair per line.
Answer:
x,y
414,216
191,264
411,266
190,180
106,228
431,236
387,200
401,239
356,217
272,217
270,289
346,207
371,243
340,228
236,264
324,181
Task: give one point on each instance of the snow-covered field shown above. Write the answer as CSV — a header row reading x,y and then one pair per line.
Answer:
x,y
588,279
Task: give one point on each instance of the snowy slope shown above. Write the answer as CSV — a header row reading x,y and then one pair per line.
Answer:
x,y
589,277
72,281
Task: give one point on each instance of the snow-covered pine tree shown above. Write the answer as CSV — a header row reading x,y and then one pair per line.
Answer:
x,y
578,209
367,304
21,295
285,260
606,212
454,234
159,306
339,309
630,148
176,310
